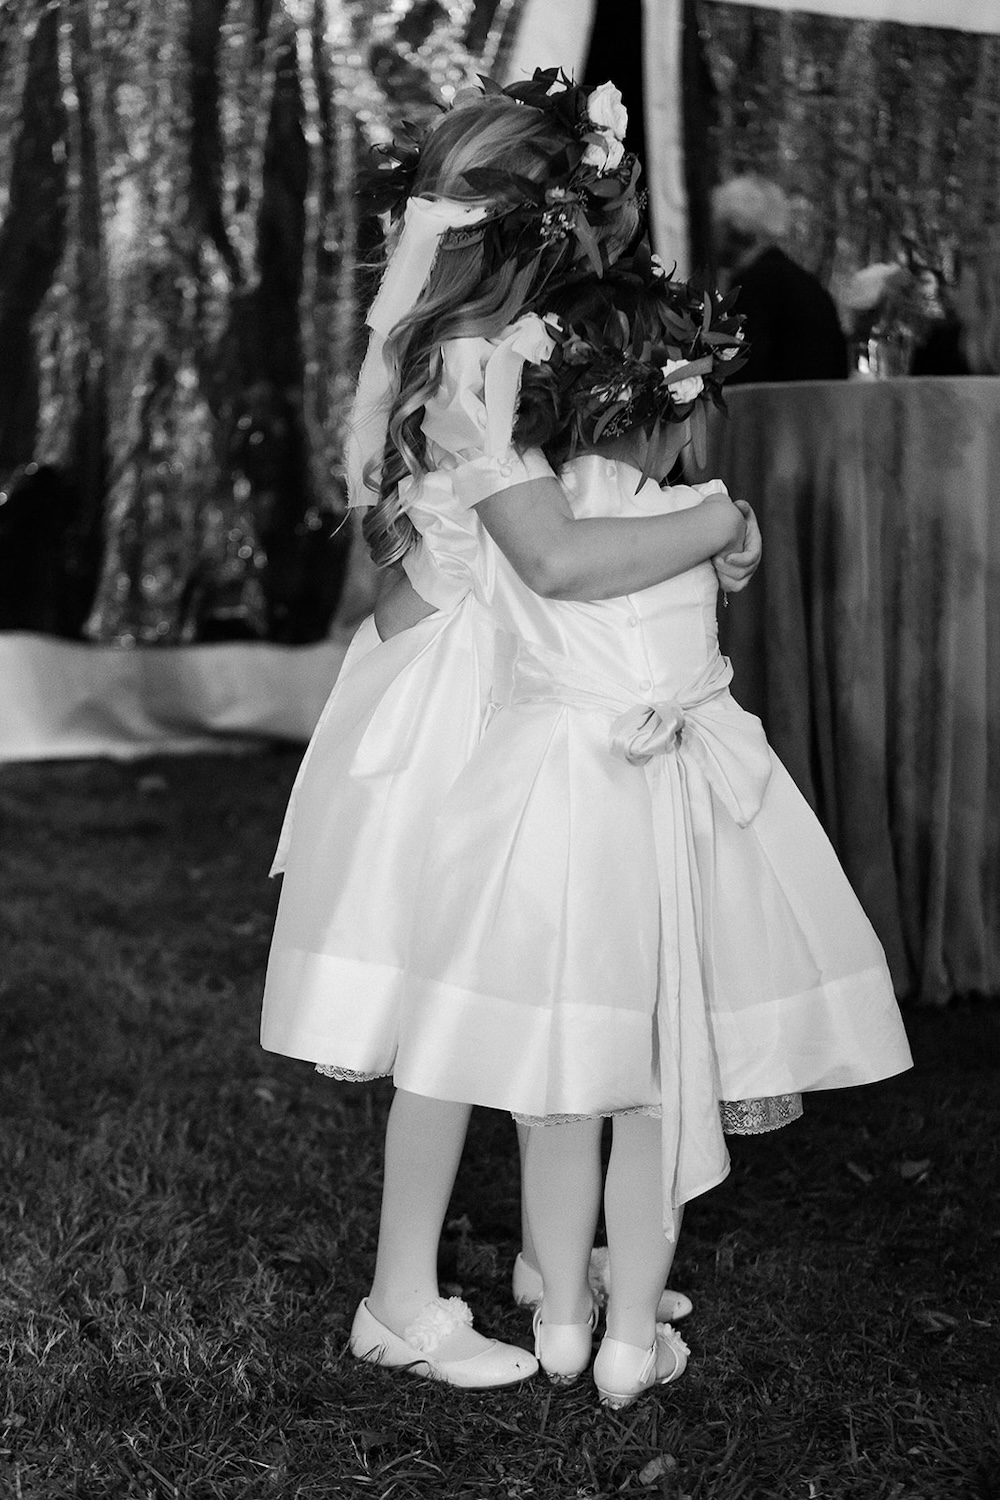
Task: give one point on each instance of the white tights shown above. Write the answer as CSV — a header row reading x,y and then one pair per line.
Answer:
x,y
423,1147
561,1198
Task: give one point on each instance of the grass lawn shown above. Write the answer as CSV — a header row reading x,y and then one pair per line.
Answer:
x,y
187,1222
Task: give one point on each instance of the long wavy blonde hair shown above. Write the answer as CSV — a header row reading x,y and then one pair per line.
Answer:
x,y
456,302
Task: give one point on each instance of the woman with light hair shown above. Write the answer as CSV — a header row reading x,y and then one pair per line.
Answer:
x,y
752,209
792,324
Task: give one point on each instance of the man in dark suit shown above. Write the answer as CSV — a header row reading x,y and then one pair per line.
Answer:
x,y
792,324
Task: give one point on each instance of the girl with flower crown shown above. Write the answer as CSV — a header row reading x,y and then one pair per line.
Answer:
x,y
548,907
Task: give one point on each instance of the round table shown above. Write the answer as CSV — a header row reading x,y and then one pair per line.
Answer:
x,y
869,643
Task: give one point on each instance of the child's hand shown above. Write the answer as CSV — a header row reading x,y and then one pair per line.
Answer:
x,y
735,569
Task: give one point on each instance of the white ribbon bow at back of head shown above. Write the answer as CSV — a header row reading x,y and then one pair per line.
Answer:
x,y
424,222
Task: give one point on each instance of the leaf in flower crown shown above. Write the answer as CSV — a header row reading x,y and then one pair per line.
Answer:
x,y
701,366
605,421
552,92
682,326
588,243
386,177
605,187
653,437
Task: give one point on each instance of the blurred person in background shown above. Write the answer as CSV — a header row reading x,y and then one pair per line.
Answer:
x,y
966,341
778,297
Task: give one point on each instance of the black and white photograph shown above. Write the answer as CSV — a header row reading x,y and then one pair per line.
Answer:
x,y
499,749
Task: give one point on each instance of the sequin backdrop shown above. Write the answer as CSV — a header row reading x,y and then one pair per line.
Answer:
x,y
180,275
181,270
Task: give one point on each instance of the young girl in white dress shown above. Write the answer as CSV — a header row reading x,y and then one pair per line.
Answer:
x,y
609,900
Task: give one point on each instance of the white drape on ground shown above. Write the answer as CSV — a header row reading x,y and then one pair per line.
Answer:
x,y
68,699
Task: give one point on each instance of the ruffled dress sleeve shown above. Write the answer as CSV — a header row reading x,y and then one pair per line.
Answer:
x,y
468,425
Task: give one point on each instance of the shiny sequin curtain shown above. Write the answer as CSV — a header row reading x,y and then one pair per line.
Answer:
x,y
887,136
181,273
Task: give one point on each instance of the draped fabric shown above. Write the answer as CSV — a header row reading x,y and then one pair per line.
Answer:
x,y
962,15
870,645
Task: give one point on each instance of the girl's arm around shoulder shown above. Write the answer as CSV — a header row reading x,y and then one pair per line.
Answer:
x,y
561,556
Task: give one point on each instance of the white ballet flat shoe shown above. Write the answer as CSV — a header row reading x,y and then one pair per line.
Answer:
x,y
424,1348
526,1286
624,1371
563,1349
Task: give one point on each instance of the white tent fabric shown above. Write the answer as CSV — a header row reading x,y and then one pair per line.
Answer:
x,y
66,699
558,35
664,165
551,35
952,15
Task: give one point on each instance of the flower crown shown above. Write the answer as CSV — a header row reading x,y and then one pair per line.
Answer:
x,y
587,178
613,370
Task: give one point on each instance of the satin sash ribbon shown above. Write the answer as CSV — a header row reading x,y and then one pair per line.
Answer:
x,y
701,723
699,730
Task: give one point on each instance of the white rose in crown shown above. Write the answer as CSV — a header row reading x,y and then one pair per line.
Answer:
x,y
604,154
606,110
688,389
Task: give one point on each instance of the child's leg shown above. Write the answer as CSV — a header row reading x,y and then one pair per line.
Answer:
x,y
527,1242
640,1253
672,1305
423,1147
562,1196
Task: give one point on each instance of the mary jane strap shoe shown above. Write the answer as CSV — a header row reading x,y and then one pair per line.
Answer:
x,y
624,1371
424,1348
526,1287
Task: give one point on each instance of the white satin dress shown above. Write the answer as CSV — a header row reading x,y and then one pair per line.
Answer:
x,y
541,860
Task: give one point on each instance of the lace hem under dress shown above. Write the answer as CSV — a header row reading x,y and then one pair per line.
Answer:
x,y
739,1116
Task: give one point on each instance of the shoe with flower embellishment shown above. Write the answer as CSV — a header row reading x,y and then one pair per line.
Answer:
x,y
440,1344
624,1371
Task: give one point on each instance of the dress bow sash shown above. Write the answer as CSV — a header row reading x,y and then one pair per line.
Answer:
x,y
702,724
701,730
